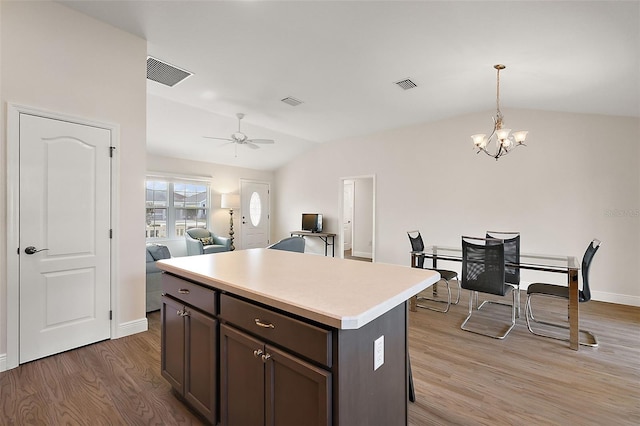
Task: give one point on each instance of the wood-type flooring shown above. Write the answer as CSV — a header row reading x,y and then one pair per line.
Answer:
x,y
460,378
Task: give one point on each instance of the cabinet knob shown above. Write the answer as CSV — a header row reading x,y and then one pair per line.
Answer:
x,y
265,357
183,313
257,353
259,323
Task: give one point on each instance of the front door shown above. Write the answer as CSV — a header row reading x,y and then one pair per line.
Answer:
x,y
254,208
347,216
64,235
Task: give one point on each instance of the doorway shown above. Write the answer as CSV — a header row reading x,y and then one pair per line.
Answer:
x,y
357,214
59,229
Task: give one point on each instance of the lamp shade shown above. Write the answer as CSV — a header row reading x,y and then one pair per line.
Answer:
x,y
230,201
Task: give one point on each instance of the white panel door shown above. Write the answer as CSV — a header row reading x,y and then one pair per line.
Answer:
x,y
65,196
254,208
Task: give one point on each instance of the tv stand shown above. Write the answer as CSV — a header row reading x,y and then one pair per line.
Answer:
x,y
324,236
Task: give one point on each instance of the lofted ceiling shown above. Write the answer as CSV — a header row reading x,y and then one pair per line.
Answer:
x,y
342,59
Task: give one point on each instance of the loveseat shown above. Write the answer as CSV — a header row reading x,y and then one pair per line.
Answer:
x,y
154,278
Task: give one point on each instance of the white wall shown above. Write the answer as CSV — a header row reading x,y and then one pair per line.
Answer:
x,y
578,179
56,59
224,179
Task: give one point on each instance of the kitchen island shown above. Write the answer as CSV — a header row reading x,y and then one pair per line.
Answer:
x,y
278,338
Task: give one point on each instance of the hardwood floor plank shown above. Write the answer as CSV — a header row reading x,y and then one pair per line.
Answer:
x,y
460,378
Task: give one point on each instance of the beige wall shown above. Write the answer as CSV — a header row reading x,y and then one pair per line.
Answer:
x,y
223,180
55,59
578,179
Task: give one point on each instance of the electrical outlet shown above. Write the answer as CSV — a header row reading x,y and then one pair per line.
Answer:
x,y
378,352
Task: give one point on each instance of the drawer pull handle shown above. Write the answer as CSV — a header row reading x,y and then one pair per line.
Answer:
x,y
264,324
183,291
265,357
257,353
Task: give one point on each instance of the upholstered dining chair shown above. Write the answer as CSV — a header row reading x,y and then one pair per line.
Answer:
x,y
417,245
562,291
511,255
203,241
295,244
483,271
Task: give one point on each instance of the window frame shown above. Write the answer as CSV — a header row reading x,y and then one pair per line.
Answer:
x,y
171,208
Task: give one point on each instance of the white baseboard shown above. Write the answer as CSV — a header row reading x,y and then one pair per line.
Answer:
x,y
3,362
362,254
621,299
602,296
131,327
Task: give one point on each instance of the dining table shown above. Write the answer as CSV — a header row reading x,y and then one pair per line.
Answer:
x,y
567,265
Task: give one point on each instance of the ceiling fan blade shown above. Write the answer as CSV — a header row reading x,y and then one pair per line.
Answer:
x,y
261,140
220,139
251,145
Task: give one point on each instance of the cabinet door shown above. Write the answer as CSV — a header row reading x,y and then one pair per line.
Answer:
x,y
297,393
241,378
200,368
172,343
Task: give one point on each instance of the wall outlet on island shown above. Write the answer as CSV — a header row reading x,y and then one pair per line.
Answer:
x,y
378,352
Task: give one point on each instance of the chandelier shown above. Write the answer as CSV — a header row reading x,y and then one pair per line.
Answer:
x,y
500,137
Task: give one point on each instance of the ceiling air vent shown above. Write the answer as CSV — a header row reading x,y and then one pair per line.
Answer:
x,y
406,84
291,101
164,73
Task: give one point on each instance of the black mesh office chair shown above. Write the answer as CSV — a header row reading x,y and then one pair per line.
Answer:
x,y
483,271
561,291
417,246
511,255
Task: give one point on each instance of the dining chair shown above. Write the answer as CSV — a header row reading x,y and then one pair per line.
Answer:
x,y
483,271
561,291
417,246
511,255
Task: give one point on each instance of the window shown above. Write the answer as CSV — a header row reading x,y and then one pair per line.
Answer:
x,y
173,206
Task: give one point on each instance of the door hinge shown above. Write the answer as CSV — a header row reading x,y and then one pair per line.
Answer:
x,y
111,233
111,149
110,315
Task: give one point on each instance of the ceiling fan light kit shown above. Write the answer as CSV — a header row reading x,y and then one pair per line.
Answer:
x,y
504,142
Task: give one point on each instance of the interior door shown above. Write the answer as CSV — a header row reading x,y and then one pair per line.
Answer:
x,y
347,225
254,208
64,272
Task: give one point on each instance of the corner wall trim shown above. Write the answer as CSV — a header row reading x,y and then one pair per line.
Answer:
x,y
3,362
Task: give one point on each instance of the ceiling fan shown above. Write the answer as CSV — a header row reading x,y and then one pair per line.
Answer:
x,y
240,138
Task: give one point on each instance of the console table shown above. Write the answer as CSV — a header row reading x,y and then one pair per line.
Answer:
x,y
324,236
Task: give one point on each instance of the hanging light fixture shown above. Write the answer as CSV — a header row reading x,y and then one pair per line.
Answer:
x,y
504,142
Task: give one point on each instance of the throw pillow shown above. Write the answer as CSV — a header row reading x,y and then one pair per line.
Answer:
x,y
206,241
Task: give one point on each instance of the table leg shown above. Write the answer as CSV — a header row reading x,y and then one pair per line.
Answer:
x,y
574,326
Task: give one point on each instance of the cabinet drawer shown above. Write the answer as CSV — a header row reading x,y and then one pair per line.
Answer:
x,y
192,294
297,336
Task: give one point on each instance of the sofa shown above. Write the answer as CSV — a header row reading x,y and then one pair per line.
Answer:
x,y
154,275
203,241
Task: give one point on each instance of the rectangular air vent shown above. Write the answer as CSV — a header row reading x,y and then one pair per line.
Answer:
x,y
165,73
289,100
406,84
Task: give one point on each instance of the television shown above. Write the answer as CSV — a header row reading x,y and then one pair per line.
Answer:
x,y
312,222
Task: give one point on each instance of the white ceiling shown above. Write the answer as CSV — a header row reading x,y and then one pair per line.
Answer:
x,y
342,59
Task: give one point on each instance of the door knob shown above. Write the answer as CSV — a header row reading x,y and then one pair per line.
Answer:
x,y
33,250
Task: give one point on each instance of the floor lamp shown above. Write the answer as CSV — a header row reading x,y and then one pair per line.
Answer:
x,y
230,201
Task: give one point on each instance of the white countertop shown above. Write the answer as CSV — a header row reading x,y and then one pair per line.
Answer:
x,y
344,294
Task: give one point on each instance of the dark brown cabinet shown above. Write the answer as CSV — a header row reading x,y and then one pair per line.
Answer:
x,y
240,362
189,349
261,384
